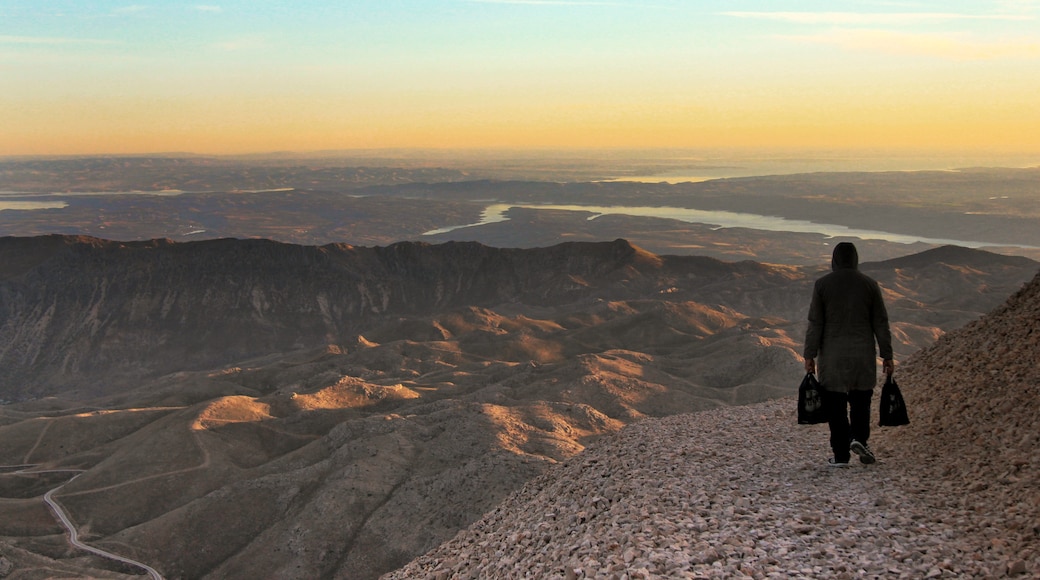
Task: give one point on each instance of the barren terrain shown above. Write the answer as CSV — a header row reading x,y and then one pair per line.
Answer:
x,y
279,367
419,387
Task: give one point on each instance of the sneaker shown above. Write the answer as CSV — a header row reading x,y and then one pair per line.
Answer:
x,y
865,455
835,463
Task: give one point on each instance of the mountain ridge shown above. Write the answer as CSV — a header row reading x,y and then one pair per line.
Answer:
x,y
101,306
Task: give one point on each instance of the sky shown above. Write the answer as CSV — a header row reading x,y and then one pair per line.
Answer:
x,y
246,76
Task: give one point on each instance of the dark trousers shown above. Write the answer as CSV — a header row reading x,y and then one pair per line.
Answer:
x,y
848,415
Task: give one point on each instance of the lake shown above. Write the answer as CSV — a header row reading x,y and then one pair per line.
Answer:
x,y
31,205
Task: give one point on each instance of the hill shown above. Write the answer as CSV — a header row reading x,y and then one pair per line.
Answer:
x,y
739,492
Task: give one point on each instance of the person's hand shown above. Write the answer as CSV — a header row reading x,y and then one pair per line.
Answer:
x,y
810,366
889,366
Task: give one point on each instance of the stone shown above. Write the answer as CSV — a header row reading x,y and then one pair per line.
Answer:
x,y
1016,568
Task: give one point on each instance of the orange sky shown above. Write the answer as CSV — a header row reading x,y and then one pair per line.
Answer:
x,y
106,77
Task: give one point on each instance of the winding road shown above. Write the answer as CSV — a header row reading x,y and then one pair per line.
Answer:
x,y
63,518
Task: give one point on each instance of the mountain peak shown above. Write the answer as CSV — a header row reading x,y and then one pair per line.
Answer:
x,y
949,254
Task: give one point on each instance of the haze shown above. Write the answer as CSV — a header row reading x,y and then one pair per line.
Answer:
x,y
230,76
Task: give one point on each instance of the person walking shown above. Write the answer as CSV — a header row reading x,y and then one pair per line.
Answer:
x,y
847,316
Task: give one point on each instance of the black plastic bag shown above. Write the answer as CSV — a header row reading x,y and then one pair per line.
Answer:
x,y
893,407
810,402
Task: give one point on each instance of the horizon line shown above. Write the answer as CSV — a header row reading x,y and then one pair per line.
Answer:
x,y
982,152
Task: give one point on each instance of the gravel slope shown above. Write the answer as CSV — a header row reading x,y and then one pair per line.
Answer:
x,y
745,491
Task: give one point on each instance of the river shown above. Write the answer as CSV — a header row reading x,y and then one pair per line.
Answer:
x,y
495,213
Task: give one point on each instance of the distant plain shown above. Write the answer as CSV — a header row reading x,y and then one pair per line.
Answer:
x,y
893,205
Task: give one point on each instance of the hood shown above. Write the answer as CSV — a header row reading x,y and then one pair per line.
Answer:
x,y
845,257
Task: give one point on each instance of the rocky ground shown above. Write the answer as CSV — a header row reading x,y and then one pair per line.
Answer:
x,y
745,491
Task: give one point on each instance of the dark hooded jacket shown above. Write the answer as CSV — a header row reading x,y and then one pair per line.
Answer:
x,y
847,315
